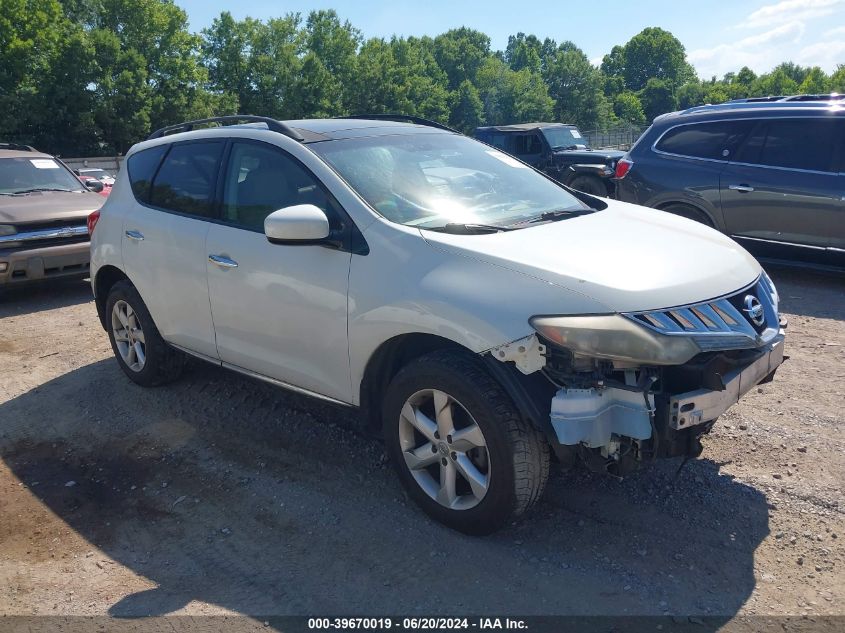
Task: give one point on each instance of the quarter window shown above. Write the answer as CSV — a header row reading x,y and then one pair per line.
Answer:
x,y
792,143
717,140
142,168
525,144
185,182
261,179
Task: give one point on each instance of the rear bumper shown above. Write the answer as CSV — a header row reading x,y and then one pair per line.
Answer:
x,y
49,262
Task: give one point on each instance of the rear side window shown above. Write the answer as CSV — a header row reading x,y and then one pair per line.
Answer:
x,y
525,144
792,143
186,179
717,140
142,167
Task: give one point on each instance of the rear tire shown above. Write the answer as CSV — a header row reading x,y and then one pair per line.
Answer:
x,y
490,467
589,185
135,340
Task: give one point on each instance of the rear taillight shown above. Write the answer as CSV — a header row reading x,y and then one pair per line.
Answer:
x,y
623,167
93,218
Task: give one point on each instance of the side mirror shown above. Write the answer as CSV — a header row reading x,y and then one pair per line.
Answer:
x,y
301,223
94,185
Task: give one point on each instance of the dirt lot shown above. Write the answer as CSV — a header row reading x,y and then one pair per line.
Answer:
x,y
221,495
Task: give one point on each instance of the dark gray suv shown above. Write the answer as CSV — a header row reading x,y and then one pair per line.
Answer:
x,y
769,174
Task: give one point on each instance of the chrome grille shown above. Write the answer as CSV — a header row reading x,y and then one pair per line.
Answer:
x,y
719,323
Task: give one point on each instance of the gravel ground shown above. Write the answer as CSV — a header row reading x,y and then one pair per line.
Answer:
x,y
219,495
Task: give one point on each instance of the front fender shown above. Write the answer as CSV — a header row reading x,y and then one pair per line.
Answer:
x,y
408,286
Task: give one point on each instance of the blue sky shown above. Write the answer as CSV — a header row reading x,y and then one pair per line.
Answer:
x,y
719,35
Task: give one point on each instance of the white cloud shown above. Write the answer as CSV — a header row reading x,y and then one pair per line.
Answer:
x,y
791,10
825,54
755,51
839,30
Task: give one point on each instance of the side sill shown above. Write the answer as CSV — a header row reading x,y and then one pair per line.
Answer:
x,y
263,378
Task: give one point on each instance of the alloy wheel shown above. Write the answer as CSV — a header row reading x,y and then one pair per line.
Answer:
x,y
444,449
128,336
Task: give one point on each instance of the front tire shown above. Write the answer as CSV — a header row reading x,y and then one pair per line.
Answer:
x,y
459,445
141,352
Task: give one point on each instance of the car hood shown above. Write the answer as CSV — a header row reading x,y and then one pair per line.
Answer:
x,y
589,155
44,206
628,258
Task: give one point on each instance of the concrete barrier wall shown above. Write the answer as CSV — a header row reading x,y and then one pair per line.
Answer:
x,y
111,164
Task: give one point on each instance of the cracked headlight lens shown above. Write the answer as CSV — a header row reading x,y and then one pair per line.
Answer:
x,y
614,337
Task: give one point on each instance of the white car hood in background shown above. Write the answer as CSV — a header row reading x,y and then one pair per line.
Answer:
x,y
627,257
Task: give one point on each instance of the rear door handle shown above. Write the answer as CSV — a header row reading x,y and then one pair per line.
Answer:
x,y
741,188
135,235
223,262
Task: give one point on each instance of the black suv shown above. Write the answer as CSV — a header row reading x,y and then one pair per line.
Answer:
x,y
768,173
559,150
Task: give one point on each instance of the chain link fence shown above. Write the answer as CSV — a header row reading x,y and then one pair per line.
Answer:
x,y
621,137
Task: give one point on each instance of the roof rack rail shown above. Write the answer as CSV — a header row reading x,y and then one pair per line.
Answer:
x,y
833,96
400,118
272,124
18,147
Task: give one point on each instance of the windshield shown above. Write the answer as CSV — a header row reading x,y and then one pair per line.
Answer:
x,y
563,137
434,180
95,173
19,175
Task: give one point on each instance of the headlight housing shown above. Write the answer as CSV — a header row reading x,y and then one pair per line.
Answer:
x,y
613,337
7,229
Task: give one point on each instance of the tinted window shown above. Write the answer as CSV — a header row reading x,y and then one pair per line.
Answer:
x,y
526,144
142,168
792,143
261,179
716,140
185,182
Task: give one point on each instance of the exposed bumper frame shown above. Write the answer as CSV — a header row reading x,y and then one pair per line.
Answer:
x,y
703,405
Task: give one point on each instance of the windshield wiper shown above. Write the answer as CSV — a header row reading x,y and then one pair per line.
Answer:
x,y
37,189
551,216
469,229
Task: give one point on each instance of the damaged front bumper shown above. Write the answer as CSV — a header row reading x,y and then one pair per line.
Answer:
x,y
696,407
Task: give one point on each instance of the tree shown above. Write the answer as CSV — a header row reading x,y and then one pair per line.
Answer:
x,y
460,53
837,79
775,83
657,98
654,54
628,108
816,82
467,108
690,94
524,51
577,88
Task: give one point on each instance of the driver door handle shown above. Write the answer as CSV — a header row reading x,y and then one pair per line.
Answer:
x,y
741,188
223,262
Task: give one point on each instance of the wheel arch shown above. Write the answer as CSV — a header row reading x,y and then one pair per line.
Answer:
x,y
388,358
106,277
531,394
704,214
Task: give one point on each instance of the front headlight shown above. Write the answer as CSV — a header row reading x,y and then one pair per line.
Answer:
x,y
7,229
615,338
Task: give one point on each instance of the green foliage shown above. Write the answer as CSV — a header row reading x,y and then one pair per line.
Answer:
x,y
578,89
657,98
467,108
653,54
628,108
96,76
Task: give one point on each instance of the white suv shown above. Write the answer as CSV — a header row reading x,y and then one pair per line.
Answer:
x,y
480,314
